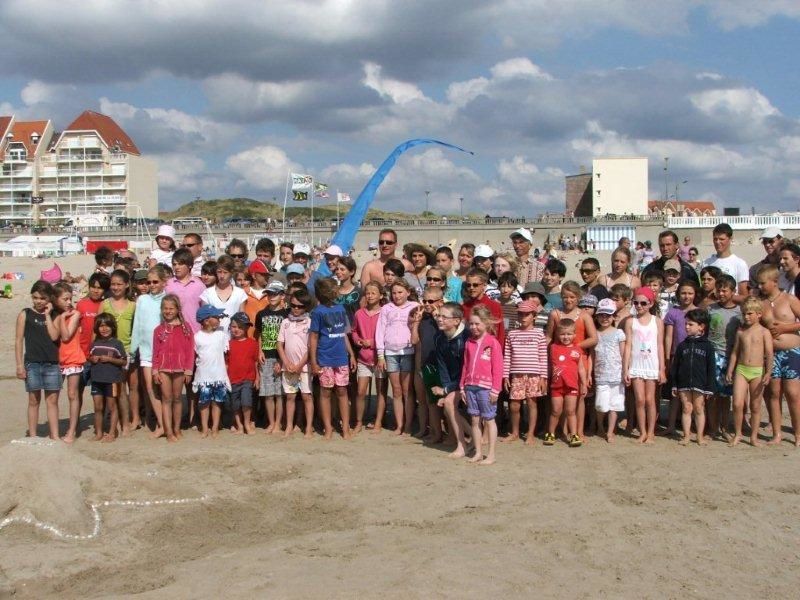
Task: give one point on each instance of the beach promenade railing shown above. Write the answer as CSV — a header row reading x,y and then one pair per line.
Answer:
x,y
741,222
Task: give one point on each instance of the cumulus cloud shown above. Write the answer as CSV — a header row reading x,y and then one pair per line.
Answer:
x,y
262,167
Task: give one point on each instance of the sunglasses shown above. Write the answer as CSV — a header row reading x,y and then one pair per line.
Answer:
x,y
439,279
766,241
293,305
236,255
429,301
473,285
386,243
638,303
152,281
588,270
188,245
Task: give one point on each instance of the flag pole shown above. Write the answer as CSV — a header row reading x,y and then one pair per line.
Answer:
x,y
337,210
285,197
313,193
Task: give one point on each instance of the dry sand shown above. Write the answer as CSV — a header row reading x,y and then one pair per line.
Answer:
x,y
387,516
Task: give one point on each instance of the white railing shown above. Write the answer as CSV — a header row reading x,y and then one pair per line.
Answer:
x,y
741,222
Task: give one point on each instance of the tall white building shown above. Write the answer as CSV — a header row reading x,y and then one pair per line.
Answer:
x,y
92,166
619,186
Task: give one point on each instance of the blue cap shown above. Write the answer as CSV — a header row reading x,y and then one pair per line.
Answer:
x,y
296,269
206,311
241,318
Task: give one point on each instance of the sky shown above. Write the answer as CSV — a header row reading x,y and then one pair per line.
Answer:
x,y
228,96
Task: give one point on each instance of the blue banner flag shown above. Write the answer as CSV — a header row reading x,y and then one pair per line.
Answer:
x,y
346,234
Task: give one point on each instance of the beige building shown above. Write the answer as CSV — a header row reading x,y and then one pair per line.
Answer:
x,y
616,186
92,167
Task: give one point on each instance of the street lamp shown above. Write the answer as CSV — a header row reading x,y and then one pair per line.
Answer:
x,y
666,178
427,196
461,200
677,185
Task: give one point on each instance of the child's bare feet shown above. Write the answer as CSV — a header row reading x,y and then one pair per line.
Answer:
x,y
685,440
288,432
398,431
269,429
328,434
611,438
69,438
157,433
347,434
277,431
309,434
530,440
735,441
510,438
776,440
108,438
215,433
250,428
476,459
204,433
357,429
97,437
172,438
126,432
651,439
376,430
755,442
702,440
457,453
236,431
486,461
642,439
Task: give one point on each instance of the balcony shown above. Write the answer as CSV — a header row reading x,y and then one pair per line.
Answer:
x,y
84,141
8,187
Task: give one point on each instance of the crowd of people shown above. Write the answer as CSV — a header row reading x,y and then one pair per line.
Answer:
x,y
475,345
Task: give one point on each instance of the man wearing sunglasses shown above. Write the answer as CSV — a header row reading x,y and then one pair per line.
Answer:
x,y
772,240
387,247
668,246
194,244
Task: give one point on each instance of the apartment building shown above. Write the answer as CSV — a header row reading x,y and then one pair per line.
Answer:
x,y
91,167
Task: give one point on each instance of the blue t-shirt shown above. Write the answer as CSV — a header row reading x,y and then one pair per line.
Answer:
x,y
330,322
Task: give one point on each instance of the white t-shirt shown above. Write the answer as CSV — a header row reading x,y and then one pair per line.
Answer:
x,y
731,265
210,349
231,306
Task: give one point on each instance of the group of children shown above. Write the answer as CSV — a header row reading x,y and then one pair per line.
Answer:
x,y
455,366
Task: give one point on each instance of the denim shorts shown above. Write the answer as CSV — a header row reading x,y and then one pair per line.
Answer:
x,y
107,390
211,392
404,363
42,376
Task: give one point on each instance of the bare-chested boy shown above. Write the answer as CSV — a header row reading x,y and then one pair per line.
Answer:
x,y
749,368
782,318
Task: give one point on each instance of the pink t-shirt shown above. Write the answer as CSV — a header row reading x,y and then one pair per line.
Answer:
x,y
294,337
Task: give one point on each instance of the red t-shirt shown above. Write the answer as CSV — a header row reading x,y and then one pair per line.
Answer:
x,y
242,359
494,308
88,310
564,365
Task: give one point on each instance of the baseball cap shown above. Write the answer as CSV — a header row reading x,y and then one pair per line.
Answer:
x,y
206,311
257,266
523,232
295,269
673,264
606,306
588,301
302,249
241,318
332,250
534,287
484,251
276,287
140,275
771,232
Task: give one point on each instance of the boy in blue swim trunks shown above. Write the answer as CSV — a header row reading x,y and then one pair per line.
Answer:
x,y
782,318
726,317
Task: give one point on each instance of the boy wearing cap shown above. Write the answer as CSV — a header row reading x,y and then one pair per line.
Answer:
x,y
210,383
257,299
268,325
609,389
525,368
243,373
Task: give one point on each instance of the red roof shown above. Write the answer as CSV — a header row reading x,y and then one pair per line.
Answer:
x,y
22,131
108,130
694,205
4,123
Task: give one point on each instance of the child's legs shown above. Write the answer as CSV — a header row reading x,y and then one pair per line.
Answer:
x,y
491,426
450,412
570,407
177,405
99,414
740,391
434,420
514,409
133,396
640,396
791,388
674,407
342,394
34,399
361,399
686,414
724,412
580,415
308,404
216,414
397,399
556,408
650,407
612,422
269,403
325,408
152,395
533,415
123,405
477,436
756,396
279,412
113,415
774,403
73,395
51,399
290,397
699,404
409,401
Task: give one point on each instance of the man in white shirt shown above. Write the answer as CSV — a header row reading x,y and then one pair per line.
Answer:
x,y
727,262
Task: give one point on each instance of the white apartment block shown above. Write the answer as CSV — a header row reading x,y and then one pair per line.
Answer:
x,y
92,167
